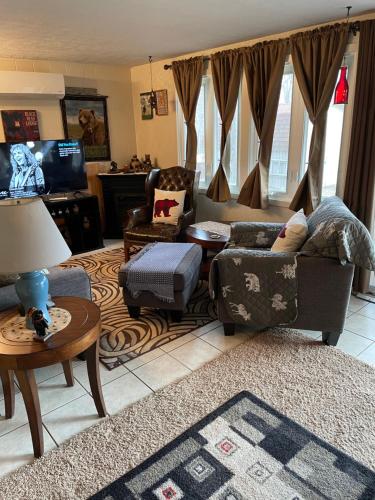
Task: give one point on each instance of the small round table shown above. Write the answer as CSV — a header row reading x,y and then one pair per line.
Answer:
x,y
202,238
20,357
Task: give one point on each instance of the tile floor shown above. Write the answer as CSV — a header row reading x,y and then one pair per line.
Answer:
x,y
69,410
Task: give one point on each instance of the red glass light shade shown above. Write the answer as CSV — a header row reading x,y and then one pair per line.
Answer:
x,y
342,87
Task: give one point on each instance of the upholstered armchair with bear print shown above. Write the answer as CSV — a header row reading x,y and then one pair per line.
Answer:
x,y
308,289
138,227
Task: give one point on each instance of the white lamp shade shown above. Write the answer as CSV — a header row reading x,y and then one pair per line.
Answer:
x,y
29,237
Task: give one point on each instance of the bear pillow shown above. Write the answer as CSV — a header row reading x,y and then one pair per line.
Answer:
x,y
168,206
292,235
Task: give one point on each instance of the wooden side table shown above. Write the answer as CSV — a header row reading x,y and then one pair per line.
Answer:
x,y
202,238
20,357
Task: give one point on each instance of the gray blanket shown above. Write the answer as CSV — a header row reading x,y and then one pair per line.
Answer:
x,y
259,288
152,269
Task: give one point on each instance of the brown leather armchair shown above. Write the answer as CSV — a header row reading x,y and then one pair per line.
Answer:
x,y
138,227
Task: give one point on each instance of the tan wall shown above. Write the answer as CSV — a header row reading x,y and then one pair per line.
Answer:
x,y
159,135
113,81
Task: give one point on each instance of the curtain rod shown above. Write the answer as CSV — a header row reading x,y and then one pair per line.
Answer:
x,y
354,28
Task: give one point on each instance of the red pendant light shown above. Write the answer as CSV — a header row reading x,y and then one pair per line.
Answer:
x,y
342,87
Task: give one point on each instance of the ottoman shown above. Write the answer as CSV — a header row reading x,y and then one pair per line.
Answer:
x,y
185,280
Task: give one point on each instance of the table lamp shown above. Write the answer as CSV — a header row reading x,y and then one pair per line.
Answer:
x,y
30,242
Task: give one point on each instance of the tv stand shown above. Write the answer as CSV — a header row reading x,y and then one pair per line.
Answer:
x,y
78,220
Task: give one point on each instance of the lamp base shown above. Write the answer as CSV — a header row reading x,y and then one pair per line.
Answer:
x,y
32,290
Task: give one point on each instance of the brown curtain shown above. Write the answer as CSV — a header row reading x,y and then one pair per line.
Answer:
x,y
226,70
187,76
264,67
317,57
360,177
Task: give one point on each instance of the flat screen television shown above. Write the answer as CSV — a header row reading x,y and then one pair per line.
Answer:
x,y
41,168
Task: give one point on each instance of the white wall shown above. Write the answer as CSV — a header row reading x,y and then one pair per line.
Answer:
x,y
113,81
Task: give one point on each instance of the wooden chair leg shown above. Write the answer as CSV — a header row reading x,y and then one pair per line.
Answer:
x,y
134,311
126,252
229,329
7,380
92,360
177,316
68,372
29,390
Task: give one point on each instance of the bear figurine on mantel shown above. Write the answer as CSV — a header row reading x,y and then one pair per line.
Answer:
x,y
137,165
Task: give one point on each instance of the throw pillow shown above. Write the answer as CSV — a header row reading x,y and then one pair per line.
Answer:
x,y
292,235
168,206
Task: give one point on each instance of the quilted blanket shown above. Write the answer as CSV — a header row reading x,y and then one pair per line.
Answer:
x,y
153,268
259,288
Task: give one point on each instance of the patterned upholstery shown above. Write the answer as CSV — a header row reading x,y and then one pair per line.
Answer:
x,y
138,228
336,233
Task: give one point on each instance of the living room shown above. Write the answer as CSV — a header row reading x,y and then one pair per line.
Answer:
x,y
187,292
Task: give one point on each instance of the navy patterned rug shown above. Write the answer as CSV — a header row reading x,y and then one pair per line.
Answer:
x,y
245,450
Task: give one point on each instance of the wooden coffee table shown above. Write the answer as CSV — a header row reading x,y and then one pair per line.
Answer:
x,y
202,238
20,357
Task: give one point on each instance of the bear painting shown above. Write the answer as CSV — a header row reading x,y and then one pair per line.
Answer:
x,y
93,131
85,118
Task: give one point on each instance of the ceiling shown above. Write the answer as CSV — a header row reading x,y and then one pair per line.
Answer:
x,y
127,31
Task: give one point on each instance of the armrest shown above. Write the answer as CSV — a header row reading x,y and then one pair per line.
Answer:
x,y
69,281
186,219
136,216
255,234
233,262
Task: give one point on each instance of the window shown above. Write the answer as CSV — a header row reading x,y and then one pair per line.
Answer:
x,y
278,176
208,127
232,146
286,155
200,120
292,135
333,140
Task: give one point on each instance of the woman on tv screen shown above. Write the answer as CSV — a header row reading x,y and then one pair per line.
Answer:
x,y
27,174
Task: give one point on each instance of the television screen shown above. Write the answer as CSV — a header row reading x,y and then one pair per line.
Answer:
x,y
41,167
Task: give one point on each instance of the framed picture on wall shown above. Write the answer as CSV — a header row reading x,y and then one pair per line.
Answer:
x,y
85,117
20,125
146,107
161,102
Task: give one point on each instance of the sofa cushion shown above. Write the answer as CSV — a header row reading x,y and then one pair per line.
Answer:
x,y
292,235
335,232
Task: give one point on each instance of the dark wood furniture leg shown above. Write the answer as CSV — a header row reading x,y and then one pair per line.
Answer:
x,y
29,390
68,372
126,252
92,360
229,329
7,379
177,316
134,311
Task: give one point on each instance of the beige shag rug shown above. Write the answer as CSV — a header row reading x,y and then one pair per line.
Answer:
x,y
321,388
